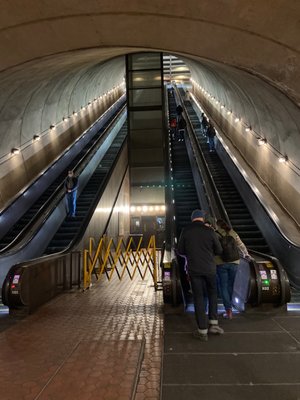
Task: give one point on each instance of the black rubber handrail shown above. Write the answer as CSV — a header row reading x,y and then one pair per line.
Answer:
x,y
45,208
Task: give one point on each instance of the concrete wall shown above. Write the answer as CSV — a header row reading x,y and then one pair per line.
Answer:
x,y
31,105
271,115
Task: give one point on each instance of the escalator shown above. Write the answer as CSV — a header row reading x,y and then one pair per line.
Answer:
x,y
29,284
71,227
260,281
237,211
184,195
51,223
32,213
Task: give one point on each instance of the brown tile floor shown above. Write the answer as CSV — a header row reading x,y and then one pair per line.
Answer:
x,y
87,346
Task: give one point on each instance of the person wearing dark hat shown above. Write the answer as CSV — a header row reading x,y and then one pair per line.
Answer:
x,y
199,243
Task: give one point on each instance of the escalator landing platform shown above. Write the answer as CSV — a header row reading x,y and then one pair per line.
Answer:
x,y
104,343
257,357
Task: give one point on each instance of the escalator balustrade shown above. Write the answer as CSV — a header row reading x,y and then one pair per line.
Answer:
x,y
237,211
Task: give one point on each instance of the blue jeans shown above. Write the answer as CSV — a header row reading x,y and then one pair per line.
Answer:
x,y
205,285
71,203
211,143
226,274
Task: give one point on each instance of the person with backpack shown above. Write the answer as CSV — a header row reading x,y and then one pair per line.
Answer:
x,y
204,124
181,128
199,244
179,110
227,263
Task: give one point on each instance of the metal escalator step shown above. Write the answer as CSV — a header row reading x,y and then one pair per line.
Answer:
x,y
248,234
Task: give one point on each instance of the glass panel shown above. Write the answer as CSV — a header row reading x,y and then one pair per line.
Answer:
x,y
145,119
142,138
145,97
144,61
144,79
147,156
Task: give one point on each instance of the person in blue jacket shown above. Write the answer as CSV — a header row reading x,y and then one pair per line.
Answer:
x,y
71,186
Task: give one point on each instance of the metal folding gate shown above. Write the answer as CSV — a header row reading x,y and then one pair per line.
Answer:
x,y
120,258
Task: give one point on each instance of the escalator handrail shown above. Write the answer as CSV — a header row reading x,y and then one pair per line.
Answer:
x,y
264,205
61,255
169,191
59,198
94,204
58,193
21,193
207,178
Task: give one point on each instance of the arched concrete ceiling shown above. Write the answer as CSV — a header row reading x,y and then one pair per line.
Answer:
x,y
53,55
259,36
40,93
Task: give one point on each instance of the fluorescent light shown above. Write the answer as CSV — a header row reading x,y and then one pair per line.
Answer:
x,y
262,141
283,159
15,150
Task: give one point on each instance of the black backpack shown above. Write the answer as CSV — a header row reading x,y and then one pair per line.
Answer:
x,y
182,123
230,249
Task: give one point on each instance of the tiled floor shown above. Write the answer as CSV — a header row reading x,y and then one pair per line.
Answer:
x,y
258,357
105,343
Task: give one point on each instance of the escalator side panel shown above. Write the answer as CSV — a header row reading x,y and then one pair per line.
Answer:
x,y
18,208
281,248
44,233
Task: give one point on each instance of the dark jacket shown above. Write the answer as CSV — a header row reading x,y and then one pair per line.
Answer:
x,y
181,123
211,131
179,109
199,243
71,183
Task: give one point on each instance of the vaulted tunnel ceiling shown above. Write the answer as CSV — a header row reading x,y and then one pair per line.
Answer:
x,y
55,57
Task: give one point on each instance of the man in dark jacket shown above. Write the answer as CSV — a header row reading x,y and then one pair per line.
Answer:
x,y
211,133
199,244
71,186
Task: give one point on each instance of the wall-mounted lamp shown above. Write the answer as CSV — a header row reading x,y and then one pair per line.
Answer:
x,y
236,120
248,129
15,150
262,141
75,113
283,159
36,138
52,126
229,112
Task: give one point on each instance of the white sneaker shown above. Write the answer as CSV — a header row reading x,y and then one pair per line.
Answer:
x,y
215,330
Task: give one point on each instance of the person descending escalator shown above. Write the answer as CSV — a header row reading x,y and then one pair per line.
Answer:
x,y
71,186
